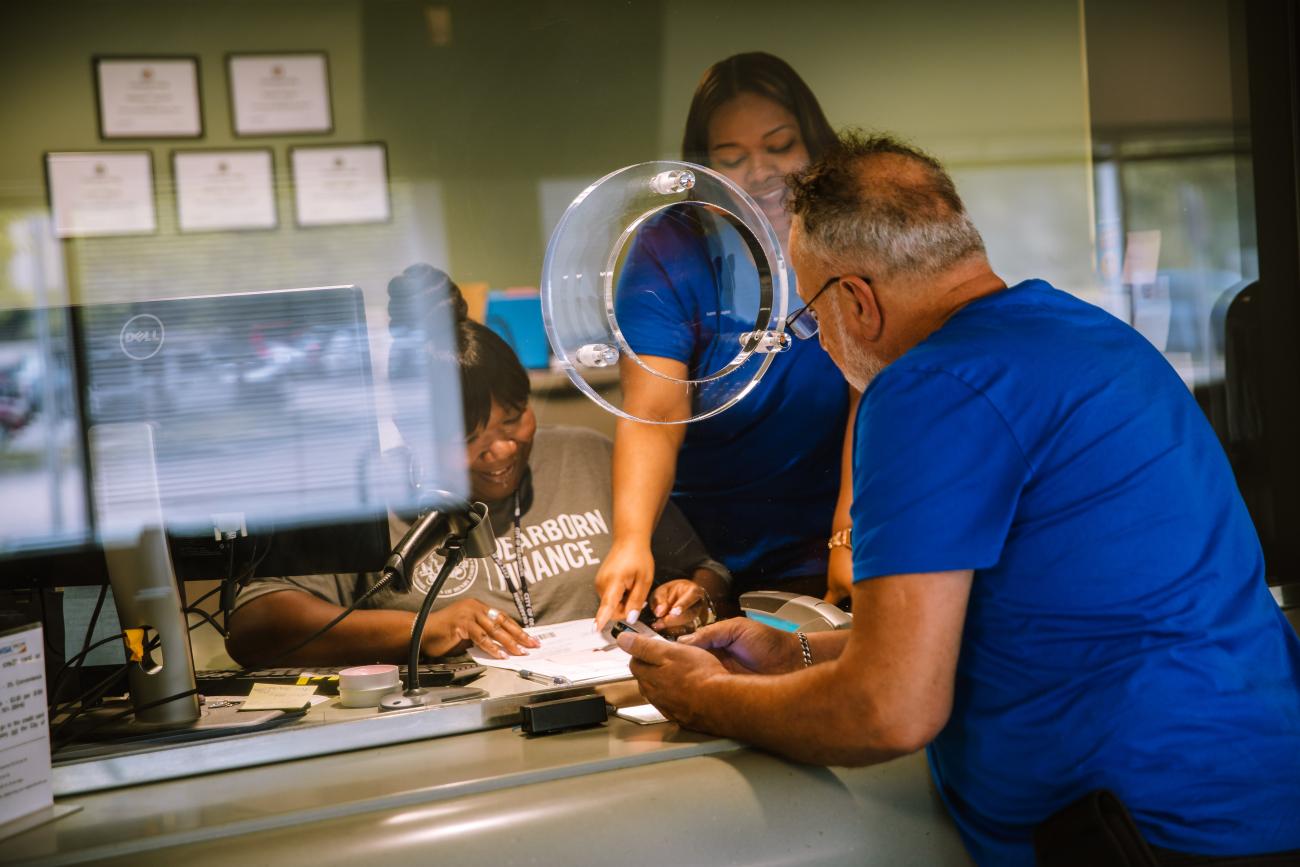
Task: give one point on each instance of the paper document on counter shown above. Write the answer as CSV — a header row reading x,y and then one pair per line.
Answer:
x,y
572,650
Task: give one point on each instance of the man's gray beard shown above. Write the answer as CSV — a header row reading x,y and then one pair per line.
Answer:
x,y
860,367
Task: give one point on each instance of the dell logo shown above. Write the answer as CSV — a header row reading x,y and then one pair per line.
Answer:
x,y
142,336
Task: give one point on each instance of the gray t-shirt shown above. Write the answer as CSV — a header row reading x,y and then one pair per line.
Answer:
x,y
564,537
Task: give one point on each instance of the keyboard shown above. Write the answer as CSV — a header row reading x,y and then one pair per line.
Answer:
x,y
325,678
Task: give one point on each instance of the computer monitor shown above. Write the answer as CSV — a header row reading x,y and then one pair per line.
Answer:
x,y
265,431
243,425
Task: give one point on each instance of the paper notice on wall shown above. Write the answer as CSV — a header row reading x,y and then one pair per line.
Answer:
x,y
1141,257
24,728
1152,311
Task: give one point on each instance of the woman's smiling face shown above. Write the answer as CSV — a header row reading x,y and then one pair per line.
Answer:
x,y
756,143
498,452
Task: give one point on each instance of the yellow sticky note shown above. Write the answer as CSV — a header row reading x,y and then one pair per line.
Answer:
x,y
278,696
134,639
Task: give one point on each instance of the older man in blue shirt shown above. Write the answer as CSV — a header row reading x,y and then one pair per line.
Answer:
x,y
1058,589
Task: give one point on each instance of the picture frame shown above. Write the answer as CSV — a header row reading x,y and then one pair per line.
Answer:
x,y
225,190
101,193
343,184
279,93
148,97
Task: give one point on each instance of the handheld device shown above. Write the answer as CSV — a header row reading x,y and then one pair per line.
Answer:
x,y
616,628
792,612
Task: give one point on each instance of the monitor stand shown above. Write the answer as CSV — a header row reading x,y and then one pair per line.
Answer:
x,y
217,717
93,739
128,514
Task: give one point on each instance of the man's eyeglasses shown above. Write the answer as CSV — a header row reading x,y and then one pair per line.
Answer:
x,y
803,322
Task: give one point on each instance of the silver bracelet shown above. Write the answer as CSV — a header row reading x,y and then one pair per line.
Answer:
x,y
805,649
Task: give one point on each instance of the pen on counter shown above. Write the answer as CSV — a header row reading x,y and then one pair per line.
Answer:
x,y
542,678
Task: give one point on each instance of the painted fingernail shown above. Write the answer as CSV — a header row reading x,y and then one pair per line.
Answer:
x,y
677,609
633,615
659,610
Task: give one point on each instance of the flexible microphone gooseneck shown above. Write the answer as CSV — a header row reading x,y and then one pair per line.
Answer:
x,y
468,534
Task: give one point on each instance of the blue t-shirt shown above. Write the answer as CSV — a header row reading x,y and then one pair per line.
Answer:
x,y
1120,634
758,481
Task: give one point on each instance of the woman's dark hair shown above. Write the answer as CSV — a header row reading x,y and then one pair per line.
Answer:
x,y
422,297
765,75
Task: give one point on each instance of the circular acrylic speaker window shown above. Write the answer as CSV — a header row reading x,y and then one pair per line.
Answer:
x,y
664,292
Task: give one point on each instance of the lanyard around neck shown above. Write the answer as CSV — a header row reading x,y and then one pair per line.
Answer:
x,y
523,599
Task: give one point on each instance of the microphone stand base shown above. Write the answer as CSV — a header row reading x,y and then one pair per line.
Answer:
x,y
430,697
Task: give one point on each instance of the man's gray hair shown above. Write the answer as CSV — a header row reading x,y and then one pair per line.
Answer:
x,y
877,204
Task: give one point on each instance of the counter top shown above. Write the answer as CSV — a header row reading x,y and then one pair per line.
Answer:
x,y
634,794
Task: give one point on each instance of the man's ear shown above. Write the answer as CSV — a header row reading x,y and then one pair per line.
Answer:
x,y
864,307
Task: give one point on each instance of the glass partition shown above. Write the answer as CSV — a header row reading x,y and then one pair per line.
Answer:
x,y
1098,145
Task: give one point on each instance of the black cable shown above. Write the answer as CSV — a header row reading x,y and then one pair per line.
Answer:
x,y
195,609
279,657
206,618
375,588
86,646
94,618
123,714
86,700
228,589
103,685
64,669
96,692
62,672
45,633
205,597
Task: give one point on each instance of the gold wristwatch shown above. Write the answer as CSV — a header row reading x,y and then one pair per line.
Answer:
x,y
841,538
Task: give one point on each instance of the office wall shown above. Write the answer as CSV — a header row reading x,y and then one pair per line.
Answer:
x,y
45,60
479,145
508,112
995,89
496,112
496,116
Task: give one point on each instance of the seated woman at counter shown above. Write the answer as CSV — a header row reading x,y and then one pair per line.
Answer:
x,y
549,496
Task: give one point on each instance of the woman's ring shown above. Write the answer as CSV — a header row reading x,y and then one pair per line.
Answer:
x,y
493,614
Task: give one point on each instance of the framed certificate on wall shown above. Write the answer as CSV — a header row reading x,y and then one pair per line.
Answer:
x,y
337,185
101,193
279,94
225,190
148,97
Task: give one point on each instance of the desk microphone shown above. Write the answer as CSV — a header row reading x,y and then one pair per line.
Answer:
x,y
419,540
468,533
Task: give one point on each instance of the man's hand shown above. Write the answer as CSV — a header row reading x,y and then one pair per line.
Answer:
x,y
673,678
745,646
623,582
469,621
